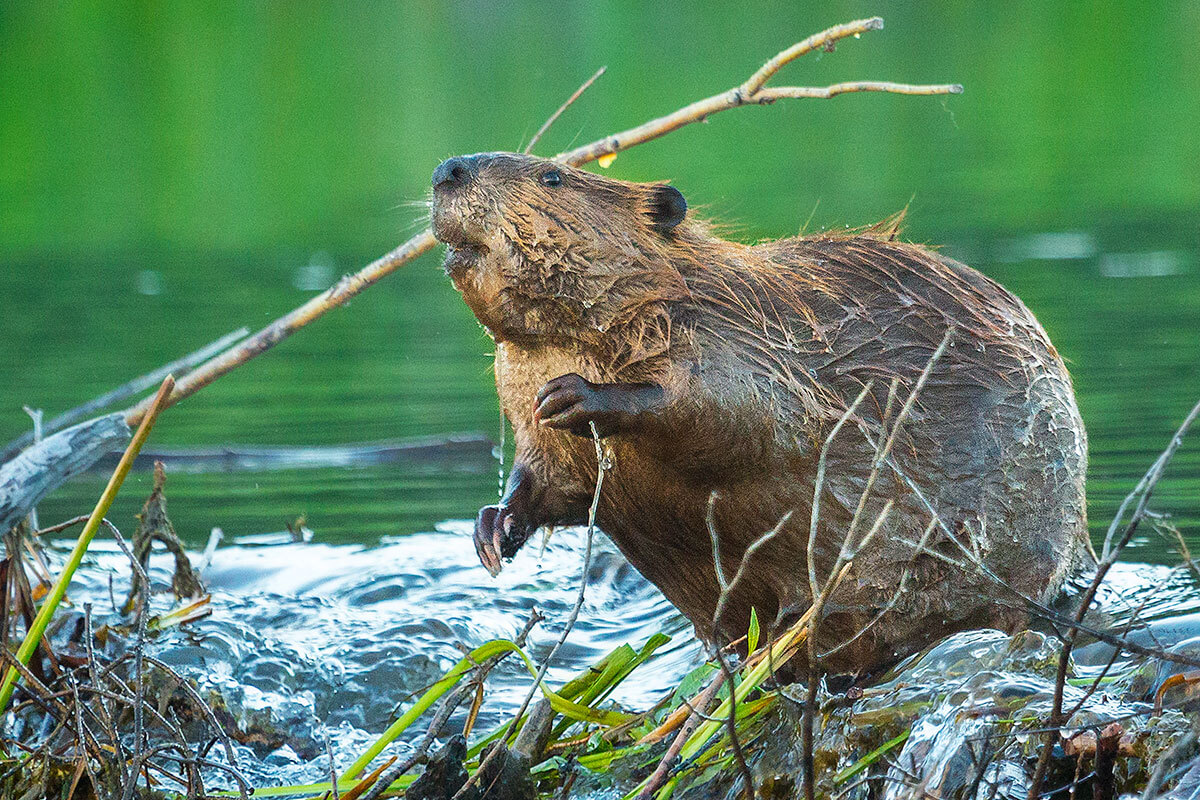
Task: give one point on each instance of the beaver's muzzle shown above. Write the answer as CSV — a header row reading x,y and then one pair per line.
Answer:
x,y
454,173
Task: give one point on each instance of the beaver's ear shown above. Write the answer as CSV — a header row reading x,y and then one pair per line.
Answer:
x,y
667,207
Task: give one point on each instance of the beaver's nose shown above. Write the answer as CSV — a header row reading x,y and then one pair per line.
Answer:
x,y
454,172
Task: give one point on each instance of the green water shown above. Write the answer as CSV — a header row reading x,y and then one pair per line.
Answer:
x,y
170,172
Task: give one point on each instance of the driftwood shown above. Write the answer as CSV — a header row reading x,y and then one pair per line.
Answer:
x,y
32,475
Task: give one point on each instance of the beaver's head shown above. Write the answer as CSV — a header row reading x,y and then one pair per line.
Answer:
x,y
540,249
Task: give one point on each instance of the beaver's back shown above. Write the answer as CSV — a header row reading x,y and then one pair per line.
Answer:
x,y
770,347
785,336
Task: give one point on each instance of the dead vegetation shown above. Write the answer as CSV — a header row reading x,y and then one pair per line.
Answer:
x,y
96,714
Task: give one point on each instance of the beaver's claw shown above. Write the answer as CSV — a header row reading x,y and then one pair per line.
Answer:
x,y
499,533
569,403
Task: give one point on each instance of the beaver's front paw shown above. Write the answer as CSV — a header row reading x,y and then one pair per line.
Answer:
x,y
499,533
569,403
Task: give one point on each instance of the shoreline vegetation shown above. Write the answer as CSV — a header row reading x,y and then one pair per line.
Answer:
x,y
91,713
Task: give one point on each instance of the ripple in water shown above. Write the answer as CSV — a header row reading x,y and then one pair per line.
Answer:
x,y
329,641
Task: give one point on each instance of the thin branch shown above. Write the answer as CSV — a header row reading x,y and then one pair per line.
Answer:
x,y
918,550
603,465
726,589
735,742
333,779
389,776
1144,490
124,392
663,770
554,117
817,41
755,546
142,580
818,485
768,96
351,285
750,93
715,541
849,550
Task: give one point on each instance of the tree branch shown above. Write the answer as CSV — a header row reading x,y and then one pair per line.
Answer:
x,y
751,92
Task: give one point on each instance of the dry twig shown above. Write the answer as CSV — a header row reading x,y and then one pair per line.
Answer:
x,y
546,125
697,706
603,465
1142,493
849,549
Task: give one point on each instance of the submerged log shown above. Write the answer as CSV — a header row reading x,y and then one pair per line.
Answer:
x,y
456,448
40,469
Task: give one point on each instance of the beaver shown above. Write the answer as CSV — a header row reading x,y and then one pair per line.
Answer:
x,y
717,371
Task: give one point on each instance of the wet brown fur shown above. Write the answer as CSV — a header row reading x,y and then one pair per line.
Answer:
x,y
761,348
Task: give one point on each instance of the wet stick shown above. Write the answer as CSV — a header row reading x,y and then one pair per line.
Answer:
x,y
1112,551
38,628
753,91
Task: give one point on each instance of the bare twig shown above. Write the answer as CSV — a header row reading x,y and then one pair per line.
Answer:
x,y
139,649
849,548
445,709
81,742
1117,649
104,716
752,92
698,705
747,556
918,550
123,392
553,117
135,696
882,455
333,779
218,730
726,587
1143,491
818,487
1185,552
735,742
749,93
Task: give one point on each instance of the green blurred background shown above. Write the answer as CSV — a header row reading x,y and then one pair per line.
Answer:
x,y
171,171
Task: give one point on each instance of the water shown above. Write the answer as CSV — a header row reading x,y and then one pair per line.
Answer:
x,y
169,177
328,641
157,194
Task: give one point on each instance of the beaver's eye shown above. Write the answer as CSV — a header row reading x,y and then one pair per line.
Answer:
x,y
551,178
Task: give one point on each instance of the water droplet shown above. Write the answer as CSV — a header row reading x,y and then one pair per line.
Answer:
x,y
149,282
